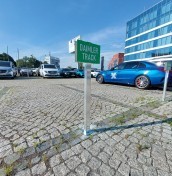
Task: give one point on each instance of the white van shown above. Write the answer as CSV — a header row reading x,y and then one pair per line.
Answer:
x,y
48,70
7,69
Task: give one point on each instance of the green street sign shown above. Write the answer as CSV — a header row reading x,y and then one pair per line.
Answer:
x,y
87,52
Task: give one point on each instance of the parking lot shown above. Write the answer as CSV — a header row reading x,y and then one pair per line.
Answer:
x,y
41,133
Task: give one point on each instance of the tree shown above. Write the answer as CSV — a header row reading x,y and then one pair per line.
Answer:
x,y
6,57
30,62
45,62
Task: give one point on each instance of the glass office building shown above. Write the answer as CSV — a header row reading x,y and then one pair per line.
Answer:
x,y
149,35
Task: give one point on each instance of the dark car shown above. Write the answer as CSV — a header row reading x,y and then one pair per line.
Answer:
x,y
142,74
65,72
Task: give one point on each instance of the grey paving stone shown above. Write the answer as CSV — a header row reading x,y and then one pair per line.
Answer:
x,y
77,149
11,158
73,162
94,163
85,156
124,169
35,160
87,143
29,151
67,154
24,173
149,171
104,157
39,169
135,172
106,170
61,170
82,170
163,173
2,172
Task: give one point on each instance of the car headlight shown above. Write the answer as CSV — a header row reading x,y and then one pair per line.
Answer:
x,y
9,70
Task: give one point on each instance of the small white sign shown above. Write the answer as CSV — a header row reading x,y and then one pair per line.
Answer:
x,y
72,44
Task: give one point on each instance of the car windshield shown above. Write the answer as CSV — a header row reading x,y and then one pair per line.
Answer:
x,y
66,69
5,64
49,66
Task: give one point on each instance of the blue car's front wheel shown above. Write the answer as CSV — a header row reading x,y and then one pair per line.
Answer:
x,y
142,82
100,79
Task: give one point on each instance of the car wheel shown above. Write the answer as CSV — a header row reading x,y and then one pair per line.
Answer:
x,y
100,79
142,82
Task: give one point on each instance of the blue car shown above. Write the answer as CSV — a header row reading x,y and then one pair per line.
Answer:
x,y
79,73
142,74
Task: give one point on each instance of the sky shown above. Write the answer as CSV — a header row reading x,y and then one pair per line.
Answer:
x,y
40,27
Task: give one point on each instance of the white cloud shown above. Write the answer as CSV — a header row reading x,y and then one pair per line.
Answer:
x,y
107,34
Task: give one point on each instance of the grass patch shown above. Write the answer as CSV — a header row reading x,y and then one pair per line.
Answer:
x,y
141,147
8,170
21,151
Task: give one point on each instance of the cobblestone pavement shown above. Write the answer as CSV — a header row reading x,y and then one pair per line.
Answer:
x,y
41,130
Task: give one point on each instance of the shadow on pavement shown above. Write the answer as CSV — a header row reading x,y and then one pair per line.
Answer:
x,y
101,130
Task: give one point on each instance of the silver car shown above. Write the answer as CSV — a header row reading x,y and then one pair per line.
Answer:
x,y
7,69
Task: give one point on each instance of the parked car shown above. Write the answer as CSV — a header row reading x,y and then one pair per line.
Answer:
x,y
94,72
65,72
142,74
26,72
48,70
79,73
35,71
7,69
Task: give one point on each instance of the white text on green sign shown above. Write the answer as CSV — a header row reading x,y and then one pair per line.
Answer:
x,y
87,52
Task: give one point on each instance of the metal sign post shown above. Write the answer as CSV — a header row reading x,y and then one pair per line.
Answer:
x,y
87,97
165,85
168,67
89,53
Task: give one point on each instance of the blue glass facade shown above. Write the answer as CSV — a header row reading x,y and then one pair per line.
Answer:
x,y
149,35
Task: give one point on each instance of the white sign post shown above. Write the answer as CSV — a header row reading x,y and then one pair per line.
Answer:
x,y
88,53
168,67
165,85
87,97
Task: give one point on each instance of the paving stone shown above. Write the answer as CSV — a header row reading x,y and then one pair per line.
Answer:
x,y
135,172
87,143
163,173
43,146
55,160
39,169
35,160
73,162
61,170
149,171
11,158
77,149
94,163
29,151
85,156
82,170
104,157
67,154
106,170
124,169
2,172
24,173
